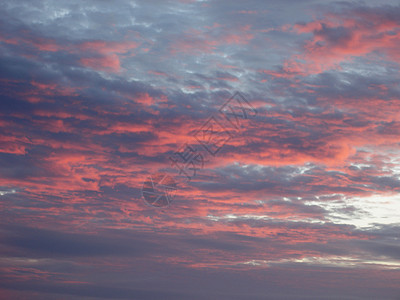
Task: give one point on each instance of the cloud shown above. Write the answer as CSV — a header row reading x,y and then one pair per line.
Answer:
x,y
302,199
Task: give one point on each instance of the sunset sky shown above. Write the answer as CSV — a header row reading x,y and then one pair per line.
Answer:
x,y
301,201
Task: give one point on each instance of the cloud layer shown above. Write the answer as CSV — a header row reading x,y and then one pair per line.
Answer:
x,y
301,201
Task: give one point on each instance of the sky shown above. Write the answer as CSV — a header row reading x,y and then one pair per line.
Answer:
x,y
275,125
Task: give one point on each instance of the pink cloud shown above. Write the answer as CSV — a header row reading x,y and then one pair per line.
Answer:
x,y
109,63
209,40
338,38
104,55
